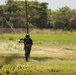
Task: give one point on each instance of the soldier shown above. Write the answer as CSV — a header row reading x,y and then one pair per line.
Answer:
x,y
27,45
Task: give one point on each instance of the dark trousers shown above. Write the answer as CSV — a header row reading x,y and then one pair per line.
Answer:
x,y
27,52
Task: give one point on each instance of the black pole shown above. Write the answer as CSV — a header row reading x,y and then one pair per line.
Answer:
x,y
26,16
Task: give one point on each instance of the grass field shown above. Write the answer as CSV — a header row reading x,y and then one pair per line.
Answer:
x,y
52,54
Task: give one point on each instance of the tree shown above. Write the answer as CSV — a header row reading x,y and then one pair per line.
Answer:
x,y
42,23
68,15
12,6
39,15
64,17
37,12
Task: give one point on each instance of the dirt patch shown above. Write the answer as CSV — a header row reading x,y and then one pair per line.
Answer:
x,y
50,50
42,50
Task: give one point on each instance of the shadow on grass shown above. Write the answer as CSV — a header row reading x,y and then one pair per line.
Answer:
x,y
41,58
8,58
46,58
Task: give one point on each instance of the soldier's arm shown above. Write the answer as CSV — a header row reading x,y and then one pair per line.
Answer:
x,y
21,40
31,42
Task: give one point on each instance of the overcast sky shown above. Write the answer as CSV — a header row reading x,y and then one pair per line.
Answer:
x,y
55,4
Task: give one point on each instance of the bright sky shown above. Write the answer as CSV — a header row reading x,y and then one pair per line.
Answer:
x,y
55,4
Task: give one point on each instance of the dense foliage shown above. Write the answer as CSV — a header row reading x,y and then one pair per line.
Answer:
x,y
39,15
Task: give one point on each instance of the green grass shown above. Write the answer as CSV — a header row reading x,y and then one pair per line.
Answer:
x,y
58,39
15,64
39,64
11,36
67,41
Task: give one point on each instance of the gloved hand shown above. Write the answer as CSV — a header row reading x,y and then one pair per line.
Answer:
x,y
18,41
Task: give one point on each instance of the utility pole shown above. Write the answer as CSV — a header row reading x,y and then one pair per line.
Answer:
x,y
26,16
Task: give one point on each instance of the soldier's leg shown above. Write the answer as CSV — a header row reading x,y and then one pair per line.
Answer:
x,y
26,54
29,51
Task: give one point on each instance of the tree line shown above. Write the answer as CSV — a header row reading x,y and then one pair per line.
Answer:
x,y
39,15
